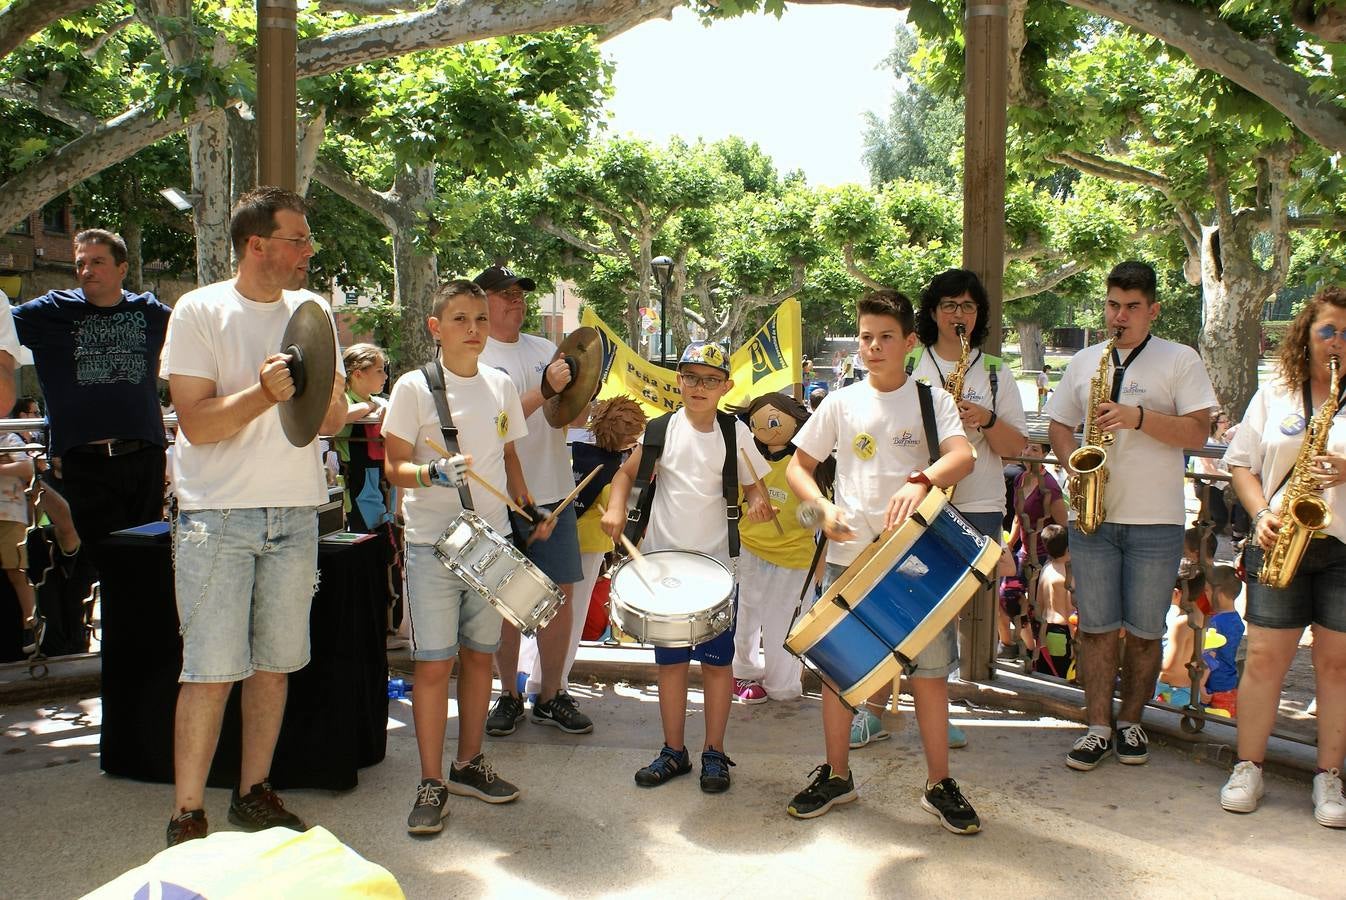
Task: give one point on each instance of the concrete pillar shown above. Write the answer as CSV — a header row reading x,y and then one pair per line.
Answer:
x,y
277,140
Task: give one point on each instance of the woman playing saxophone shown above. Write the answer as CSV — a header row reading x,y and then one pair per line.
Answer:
x,y
1288,464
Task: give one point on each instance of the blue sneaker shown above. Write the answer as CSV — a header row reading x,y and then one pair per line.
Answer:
x,y
715,771
957,739
866,728
669,764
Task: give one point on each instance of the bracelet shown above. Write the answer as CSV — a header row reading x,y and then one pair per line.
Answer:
x,y
422,482
990,423
1260,513
1141,420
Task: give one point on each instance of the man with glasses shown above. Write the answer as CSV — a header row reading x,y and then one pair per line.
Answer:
x,y
1159,402
246,543
528,360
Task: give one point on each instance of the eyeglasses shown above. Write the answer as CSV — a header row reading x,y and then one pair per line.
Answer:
x,y
305,241
1327,332
968,307
511,294
706,381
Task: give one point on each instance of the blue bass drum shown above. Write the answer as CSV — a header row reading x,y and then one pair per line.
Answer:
x,y
896,597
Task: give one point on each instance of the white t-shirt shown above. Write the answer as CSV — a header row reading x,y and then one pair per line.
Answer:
x,y
543,451
1268,442
984,489
688,511
487,414
217,333
1043,380
1144,475
9,338
880,439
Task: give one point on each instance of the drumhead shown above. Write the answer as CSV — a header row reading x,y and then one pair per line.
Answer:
x,y
683,582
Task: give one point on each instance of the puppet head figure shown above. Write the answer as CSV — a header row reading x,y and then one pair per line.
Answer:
x,y
774,418
616,423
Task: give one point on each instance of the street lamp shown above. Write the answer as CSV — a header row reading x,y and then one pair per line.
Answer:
x,y
663,275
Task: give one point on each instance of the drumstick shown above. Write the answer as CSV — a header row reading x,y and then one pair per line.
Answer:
x,y
775,516
499,494
575,493
637,557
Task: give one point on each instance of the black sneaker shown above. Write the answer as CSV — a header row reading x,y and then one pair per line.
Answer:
x,y
562,712
186,826
431,809
1088,752
478,779
822,794
669,764
1133,745
260,808
947,802
715,771
505,715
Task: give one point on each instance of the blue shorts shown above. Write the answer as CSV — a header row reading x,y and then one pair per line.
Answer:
x,y
244,580
1124,576
443,613
1316,595
939,659
559,555
719,651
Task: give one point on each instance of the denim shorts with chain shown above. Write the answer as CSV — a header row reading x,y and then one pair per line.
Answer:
x,y
245,580
1316,595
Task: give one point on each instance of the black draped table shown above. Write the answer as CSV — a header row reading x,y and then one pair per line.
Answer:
x,y
336,716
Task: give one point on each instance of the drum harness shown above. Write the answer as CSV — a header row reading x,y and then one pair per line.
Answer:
x,y
435,379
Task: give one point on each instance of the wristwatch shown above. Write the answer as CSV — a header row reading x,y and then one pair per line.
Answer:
x,y
919,477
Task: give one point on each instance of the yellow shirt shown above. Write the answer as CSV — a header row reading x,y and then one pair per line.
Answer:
x,y
592,538
792,550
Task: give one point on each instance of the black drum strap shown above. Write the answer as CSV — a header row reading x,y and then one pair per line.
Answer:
x,y
642,493
927,401
435,379
729,479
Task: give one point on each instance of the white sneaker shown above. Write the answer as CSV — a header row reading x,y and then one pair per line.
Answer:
x,y
1329,806
1243,789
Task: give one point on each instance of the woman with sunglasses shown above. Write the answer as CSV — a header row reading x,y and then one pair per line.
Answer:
x,y
1260,457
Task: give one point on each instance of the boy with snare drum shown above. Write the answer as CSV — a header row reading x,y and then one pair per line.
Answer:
x,y
447,617
883,473
690,498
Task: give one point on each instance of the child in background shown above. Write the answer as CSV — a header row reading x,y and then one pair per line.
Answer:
x,y
16,471
1175,682
1055,605
1197,555
1222,679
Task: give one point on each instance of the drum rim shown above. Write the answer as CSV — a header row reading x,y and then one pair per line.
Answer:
x,y
615,599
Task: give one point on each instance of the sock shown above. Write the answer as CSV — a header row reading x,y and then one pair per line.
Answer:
x,y
1121,724
1102,731
1254,762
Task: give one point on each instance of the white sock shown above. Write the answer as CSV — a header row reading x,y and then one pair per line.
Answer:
x,y
1121,724
1102,731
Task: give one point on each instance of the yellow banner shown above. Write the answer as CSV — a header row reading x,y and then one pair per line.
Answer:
x,y
768,361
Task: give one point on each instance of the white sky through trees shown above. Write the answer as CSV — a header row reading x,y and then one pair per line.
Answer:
x,y
798,86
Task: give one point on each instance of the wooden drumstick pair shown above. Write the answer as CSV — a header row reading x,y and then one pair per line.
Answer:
x,y
499,494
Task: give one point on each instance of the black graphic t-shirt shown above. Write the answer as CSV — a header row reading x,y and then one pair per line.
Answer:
x,y
98,366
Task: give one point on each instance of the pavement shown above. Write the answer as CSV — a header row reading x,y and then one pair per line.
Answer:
x,y
583,828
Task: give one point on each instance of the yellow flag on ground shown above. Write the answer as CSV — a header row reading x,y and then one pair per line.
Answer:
x,y
768,361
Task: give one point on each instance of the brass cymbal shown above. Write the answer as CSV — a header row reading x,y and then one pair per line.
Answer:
x,y
311,345
585,348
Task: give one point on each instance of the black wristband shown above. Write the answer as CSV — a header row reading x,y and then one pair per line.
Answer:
x,y
1141,420
990,423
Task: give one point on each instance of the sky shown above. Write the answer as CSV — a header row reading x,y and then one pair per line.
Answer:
x,y
798,86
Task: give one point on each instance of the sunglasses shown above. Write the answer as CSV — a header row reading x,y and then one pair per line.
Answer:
x,y
1327,332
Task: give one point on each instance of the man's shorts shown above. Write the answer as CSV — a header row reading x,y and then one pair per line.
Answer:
x,y
939,659
13,546
1125,576
443,613
245,580
559,555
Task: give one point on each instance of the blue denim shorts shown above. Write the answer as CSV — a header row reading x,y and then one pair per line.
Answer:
x,y
559,555
1124,577
443,612
1316,596
245,580
939,659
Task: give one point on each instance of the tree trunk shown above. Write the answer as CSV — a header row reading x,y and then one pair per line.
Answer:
x,y
1032,349
1231,326
242,155
210,182
131,234
415,270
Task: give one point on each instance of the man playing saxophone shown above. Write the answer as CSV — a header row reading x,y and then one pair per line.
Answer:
x,y
1154,398
1288,463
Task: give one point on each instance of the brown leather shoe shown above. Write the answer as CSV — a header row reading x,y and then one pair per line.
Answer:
x,y
187,826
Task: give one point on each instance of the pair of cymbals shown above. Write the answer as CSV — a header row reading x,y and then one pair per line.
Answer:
x,y
583,351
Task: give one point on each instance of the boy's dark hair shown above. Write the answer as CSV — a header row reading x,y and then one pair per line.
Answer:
x,y
1056,539
1190,575
1046,367
255,214
1192,541
452,288
113,242
948,284
1134,275
887,302
1224,578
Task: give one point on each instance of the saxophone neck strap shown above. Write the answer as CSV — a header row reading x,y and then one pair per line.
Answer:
x,y
1119,367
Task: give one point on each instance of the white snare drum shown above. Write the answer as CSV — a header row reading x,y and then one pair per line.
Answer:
x,y
494,568
692,600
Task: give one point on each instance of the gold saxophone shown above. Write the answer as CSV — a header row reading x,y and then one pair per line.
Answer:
x,y
1303,512
1089,464
954,383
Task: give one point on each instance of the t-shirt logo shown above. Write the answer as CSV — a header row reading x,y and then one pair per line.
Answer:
x,y
1133,387
905,439
864,445
502,424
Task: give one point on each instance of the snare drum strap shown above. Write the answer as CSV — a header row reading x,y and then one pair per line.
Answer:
x,y
435,379
927,402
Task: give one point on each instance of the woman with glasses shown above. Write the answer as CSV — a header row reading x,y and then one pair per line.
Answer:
x,y
1261,456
